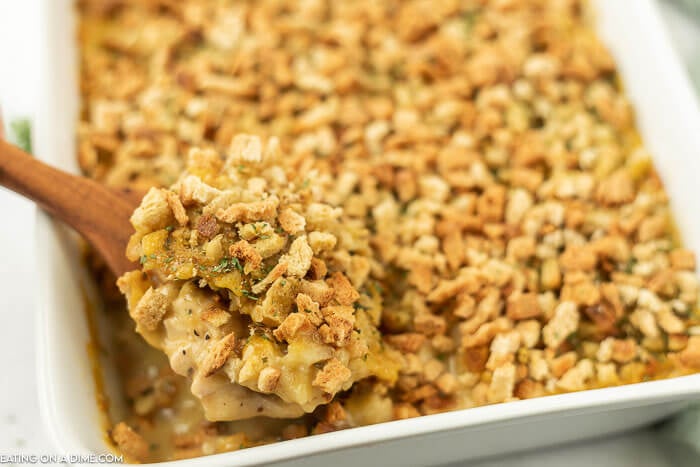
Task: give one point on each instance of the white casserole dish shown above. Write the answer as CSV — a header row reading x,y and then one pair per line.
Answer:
x,y
669,121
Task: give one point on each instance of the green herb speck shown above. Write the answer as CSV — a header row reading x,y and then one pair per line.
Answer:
x,y
227,265
248,295
237,264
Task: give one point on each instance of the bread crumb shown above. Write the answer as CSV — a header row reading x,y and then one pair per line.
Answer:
x,y
563,323
150,310
332,377
130,443
268,378
523,306
218,354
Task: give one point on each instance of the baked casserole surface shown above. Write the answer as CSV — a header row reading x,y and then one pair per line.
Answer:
x,y
464,176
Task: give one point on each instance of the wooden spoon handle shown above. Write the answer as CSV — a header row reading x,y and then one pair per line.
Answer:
x,y
95,211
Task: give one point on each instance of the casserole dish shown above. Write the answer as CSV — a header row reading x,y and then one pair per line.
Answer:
x,y
668,120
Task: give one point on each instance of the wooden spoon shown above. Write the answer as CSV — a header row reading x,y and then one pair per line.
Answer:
x,y
98,213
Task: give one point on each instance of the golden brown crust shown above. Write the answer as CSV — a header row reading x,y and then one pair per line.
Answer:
x,y
130,443
150,310
343,291
249,212
332,377
268,379
340,321
216,315
690,356
294,325
207,226
177,208
246,254
616,189
220,353
524,306
682,259
408,342
291,221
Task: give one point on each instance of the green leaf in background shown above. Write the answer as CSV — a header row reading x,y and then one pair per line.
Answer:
x,y
693,6
694,71
692,9
22,134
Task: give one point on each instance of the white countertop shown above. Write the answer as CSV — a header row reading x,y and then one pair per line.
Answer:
x,y
21,428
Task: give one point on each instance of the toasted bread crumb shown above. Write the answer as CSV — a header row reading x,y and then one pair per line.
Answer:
x,y
130,443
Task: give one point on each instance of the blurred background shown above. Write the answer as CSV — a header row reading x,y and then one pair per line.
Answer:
x,y
21,429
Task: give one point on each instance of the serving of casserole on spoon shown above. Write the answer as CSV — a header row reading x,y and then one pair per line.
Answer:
x,y
253,288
